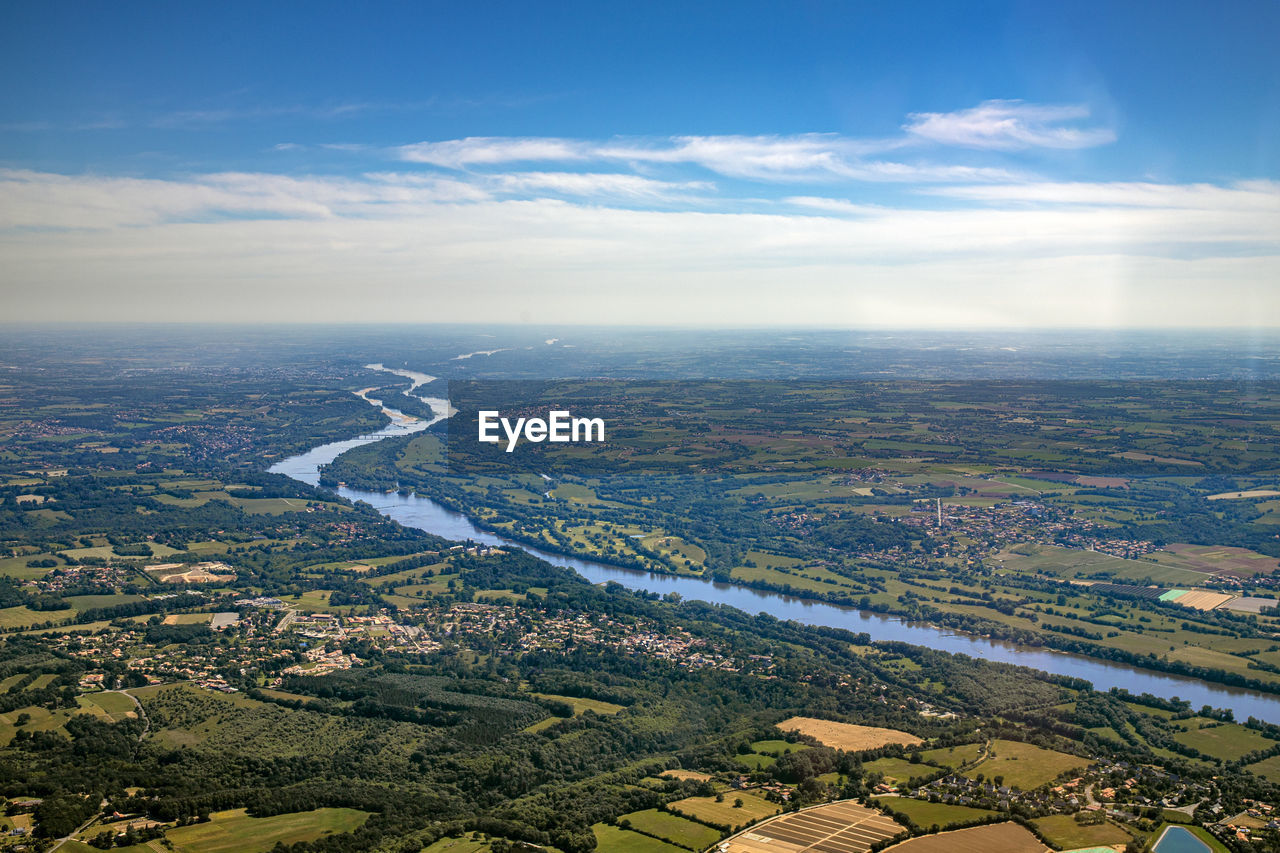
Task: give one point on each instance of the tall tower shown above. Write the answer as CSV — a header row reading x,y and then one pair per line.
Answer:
x,y
939,500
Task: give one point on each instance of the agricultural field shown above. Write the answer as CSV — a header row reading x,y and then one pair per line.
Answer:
x,y
926,814
1225,741
671,828
1064,832
117,706
847,736
841,827
726,811
996,838
1268,768
953,757
234,831
1024,766
898,770
776,747
581,704
613,838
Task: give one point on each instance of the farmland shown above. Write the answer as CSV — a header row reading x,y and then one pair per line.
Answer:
x,y
235,832
997,838
943,815
841,827
671,828
732,810
1023,766
1064,832
626,841
847,736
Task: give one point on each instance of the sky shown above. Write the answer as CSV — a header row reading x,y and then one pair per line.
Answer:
x,y
907,164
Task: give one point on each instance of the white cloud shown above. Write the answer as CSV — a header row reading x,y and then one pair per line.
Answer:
x,y
1008,125
812,156
614,185
1260,195
998,125
42,200
492,150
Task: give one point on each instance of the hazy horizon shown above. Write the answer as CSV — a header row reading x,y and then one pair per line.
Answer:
x,y
738,166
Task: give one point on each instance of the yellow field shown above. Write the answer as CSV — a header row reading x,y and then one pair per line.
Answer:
x,y
685,774
996,838
725,813
844,827
847,736
1199,599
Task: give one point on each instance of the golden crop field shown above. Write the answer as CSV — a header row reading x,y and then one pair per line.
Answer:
x,y
996,838
844,827
847,736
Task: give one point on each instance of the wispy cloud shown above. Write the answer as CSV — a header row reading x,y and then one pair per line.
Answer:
x,y
222,115
1260,195
42,200
992,125
595,184
813,156
490,150
1009,125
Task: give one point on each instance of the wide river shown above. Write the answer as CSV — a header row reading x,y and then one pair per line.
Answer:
x,y
425,514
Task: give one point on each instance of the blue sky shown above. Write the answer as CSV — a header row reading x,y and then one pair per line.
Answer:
x,y
702,163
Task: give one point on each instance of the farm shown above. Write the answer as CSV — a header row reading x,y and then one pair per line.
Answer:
x,y
996,838
847,736
842,827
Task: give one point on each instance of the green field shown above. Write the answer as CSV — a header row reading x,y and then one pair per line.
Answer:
x,y
1268,768
581,705
315,600
615,840
235,832
1074,563
898,770
23,617
952,757
1025,766
753,761
1064,833
777,748
673,828
1226,741
925,814
16,567
42,720
116,706
707,810
457,845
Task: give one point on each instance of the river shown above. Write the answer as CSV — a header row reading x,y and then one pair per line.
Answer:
x,y
425,514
